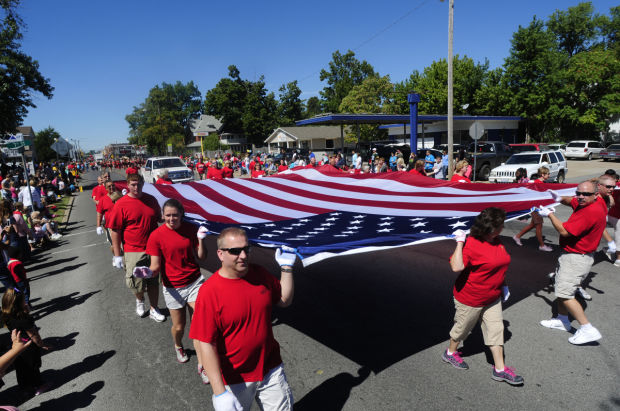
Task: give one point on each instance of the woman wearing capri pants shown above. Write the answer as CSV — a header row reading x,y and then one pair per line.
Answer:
x,y
481,262
174,248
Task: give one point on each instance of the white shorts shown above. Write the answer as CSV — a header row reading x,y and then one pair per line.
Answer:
x,y
272,393
177,298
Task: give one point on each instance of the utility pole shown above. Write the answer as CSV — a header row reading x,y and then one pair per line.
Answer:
x,y
450,91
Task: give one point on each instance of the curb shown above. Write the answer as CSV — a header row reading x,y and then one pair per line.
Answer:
x,y
65,217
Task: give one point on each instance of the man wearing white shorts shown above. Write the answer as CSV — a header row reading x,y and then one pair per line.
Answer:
x,y
174,248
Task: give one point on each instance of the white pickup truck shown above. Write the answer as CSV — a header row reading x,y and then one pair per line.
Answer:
x,y
178,172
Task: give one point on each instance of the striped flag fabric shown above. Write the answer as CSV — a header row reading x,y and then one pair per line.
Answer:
x,y
323,213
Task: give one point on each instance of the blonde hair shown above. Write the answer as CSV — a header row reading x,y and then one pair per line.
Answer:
x,y
460,165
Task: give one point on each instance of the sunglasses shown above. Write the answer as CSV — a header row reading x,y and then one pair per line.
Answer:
x,y
237,250
610,187
583,193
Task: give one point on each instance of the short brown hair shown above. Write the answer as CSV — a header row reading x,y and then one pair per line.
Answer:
x,y
135,177
489,220
230,231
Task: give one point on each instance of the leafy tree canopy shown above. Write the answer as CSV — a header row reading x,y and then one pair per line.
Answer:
x,y
42,144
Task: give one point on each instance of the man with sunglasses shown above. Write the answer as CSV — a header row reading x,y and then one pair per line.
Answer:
x,y
232,321
579,238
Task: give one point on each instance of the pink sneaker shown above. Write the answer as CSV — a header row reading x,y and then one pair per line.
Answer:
x,y
545,248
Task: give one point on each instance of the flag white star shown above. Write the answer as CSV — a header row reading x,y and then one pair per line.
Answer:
x,y
387,218
418,225
279,231
287,228
385,230
297,224
321,228
452,218
340,235
305,220
270,225
425,232
458,224
335,213
355,227
359,216
267,235
303,235
313,232
295,239
349,232
331,219
355,222
248,227
326,224
386,223
415,219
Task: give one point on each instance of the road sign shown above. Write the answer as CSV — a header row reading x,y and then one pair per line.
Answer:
x,y
15,142
170,148
476,130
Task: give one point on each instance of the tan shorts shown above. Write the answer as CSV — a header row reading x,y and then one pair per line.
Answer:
x,y
572,269
615,224
132,260
490,318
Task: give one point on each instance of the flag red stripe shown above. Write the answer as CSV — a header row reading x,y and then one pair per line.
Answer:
x,y
191,206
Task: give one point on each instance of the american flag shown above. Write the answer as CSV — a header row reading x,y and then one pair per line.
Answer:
x,y
323,213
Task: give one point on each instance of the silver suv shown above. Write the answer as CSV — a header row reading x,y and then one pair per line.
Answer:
x,y
584,149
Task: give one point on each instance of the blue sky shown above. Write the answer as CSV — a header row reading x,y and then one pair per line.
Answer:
x,y
104,57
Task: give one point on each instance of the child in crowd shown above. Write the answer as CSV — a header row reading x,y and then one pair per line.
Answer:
x,y
18,273
16,316
537,220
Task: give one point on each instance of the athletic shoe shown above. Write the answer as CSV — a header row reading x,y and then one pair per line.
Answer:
x,y
203,374
583,294
617,263
556,324
455,359
43,388
585,336
56,236
181,356
610,255
140,308
551,275
545,248
156,315
517,240
508,375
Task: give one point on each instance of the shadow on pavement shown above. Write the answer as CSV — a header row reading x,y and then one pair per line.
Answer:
x,y
58,271
333,393
74,400
60,343
53,262
61,303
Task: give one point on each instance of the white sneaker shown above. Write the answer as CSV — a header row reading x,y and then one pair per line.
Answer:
x,y
545,248
56,236
617,263
584,294
610,255
156,315
203,374
585,336
517,240
181,355
140,308
556,324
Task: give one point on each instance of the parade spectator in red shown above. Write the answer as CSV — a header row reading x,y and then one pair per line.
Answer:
x,y
163,177
459,172
215,171
232,321
281,166
131,170
175,246
537,221
133,219
257,171
579,238
312,163
481,261
200,169
227,171
418,169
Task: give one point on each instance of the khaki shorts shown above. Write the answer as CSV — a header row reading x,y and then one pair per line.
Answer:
x,y
132,260
572,269
615,223
490,318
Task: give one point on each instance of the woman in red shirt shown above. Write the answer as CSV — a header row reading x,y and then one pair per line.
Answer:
x,y
481,261
257,172
227,171
418,169
459,172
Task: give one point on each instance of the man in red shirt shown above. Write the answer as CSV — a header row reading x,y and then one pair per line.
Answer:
x,y
131,170
132,220
579,238
232,321
200,169
163,177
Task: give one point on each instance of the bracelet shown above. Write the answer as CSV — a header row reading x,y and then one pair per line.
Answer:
x,y
287,268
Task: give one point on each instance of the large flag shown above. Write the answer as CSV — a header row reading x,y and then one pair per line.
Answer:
x,y
323,213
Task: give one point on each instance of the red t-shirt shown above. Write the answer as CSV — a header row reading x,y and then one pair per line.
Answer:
x,y
227,172
282,168
585,226
235,315
137,218
480,283
615,210
460,179
131,170
256,173
98,192
417,173
175,248
163,181
104,206
17,270
214,173
200,167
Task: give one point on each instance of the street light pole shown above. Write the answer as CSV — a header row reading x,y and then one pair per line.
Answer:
x,y
450,90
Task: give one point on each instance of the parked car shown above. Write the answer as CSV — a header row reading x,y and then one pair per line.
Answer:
x,y
612,152
178,172
587,149
558,146
487,155
531,160
519,148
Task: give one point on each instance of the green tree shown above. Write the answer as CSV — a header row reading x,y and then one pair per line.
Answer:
x,y
43,141
574,29
290,106
345,72
313,107
19,73
259,114
163,118
493,97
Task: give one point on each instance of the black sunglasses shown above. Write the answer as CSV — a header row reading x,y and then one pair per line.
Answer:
x,y
583,193
607,186
237,250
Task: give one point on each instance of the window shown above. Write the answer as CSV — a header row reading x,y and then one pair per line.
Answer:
x,y
148,164
329,143
560,156
553,158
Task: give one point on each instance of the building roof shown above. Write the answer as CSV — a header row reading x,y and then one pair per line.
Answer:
x,y
205,124
391,119
26,130
305,133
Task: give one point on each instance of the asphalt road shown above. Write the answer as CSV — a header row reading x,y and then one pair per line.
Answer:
x,y
365,332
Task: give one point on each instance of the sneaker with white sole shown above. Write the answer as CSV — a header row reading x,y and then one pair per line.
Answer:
x,y
455,360
507,375
156,315
203,374
617,263
585,336
517,240
611,255
545,248
583,294
556,324
140,308
181,355
551,275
